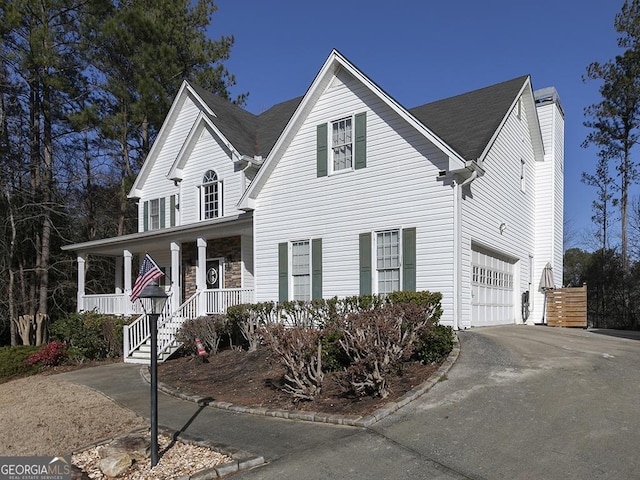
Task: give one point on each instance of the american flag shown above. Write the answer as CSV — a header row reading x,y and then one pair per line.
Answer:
x,y
149,272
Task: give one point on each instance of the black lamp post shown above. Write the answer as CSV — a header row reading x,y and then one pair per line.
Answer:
x,y
158,298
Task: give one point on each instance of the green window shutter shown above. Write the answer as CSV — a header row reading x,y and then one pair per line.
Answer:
x,y
321,150
162,212
172,211
361,141
409,259
283,274
145,216
365,264
316,268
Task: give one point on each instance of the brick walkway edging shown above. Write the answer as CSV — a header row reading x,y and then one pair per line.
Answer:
x,y
350,420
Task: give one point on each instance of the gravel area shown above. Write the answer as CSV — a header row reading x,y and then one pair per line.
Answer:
x,y
178,461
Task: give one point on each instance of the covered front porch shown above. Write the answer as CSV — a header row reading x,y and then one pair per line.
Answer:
x,y
207,268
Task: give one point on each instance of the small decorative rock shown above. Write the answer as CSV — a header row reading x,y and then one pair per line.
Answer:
x,y
115,465
136,445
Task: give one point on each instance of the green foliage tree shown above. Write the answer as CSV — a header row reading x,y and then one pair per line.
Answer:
x,y
84,88
141,51
40,64
575,265
615,120
604,184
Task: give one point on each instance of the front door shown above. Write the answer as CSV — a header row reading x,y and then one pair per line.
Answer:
x,y
214,274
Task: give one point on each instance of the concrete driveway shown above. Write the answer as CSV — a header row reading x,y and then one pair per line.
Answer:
x,y
521,403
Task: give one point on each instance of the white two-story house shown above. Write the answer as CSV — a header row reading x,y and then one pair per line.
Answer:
x,y
344,191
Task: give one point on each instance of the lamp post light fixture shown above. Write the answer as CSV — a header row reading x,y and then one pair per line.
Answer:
x,y
158,298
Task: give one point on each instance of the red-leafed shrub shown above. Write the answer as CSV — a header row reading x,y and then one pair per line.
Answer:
x,y
49,355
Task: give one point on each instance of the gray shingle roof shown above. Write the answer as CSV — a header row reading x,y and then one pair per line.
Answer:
x,y
250,134
465,122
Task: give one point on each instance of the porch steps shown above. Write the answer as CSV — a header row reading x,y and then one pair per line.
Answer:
x,y
142,354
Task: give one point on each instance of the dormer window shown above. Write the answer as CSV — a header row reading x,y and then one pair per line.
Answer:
x,y
210,196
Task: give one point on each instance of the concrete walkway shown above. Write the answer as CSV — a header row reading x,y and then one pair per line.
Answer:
x,y
520,403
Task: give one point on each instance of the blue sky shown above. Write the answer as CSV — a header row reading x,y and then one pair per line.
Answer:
x,y
420,51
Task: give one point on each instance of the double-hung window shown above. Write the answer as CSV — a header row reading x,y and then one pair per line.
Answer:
x,y
301,270
210,196
342,144
154,214
388,261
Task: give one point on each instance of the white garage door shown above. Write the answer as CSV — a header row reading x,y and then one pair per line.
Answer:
x,y
491,289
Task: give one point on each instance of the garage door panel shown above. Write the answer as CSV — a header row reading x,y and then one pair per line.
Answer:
x,y
492,289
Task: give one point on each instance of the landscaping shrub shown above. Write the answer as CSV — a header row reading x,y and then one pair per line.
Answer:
x,y
434,344
12,362
369,337
249,319
92,335
50,355
300,351
378,341
209,330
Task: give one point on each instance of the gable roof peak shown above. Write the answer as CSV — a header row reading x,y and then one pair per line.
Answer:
x,y
468,121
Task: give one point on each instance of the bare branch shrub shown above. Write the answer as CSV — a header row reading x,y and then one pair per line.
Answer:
x,y
209,330
300,351
249,319
378,341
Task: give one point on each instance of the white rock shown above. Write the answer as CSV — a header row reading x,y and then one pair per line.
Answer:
x,y
115,465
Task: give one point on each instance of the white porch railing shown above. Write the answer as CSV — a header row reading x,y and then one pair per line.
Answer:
x,y
113,304
215,302
137,332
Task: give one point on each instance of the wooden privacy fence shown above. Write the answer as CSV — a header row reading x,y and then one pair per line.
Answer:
x,y
567,307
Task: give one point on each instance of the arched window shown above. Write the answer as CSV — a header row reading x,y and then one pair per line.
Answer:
x,y
210,196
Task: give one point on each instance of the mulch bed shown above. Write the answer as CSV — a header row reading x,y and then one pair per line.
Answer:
x,y
255,379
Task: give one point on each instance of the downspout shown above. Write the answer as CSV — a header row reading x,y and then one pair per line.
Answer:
x,y
457,247
457,301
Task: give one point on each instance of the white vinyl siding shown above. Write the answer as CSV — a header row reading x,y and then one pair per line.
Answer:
x,y
209,154
549,202
156,185
499,212
398,187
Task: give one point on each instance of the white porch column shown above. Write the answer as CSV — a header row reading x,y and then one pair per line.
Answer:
x,y
119,264
127,280
176,291
201,272
80,294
